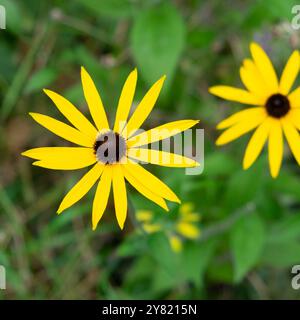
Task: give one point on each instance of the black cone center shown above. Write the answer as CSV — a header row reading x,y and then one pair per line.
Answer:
x,y
278,105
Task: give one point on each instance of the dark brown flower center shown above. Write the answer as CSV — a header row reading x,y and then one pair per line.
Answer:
x,y
110,147
278,105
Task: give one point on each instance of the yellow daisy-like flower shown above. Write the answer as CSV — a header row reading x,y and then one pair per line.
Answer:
x,y
114,153
185,226
277,109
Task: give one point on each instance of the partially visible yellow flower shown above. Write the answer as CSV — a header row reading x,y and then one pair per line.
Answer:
x,y
184,227
277,110
144,215
113,152
187,230
175,243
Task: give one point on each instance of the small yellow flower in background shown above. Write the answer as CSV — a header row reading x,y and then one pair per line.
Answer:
x,y
114,153
184,227
277,111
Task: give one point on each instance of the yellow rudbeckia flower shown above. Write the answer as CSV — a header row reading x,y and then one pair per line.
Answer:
x,y
184,227
277,109
114,153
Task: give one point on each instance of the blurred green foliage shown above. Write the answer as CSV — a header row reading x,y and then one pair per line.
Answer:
x,y
250,227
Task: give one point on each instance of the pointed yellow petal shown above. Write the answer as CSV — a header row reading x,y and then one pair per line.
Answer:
x,y
162,132
72,114
264,66
240,129
63,130
188,230
143,189
292,137
294,117
125,101
144,108
81,188
290,73
161,158
253,80
151,227
101,196
152,182
256,143
94,101
294,98
175,243
186,208
62,158
120,195
241,116
275,147
235,94
144,215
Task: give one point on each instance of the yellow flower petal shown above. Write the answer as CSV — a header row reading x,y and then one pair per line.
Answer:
x,y
63,130
253,80
241,116
290,73
101,196
239,129
188,230
62,158
72,114
256,143
81,188
152,182
235,94
294,98
125,101
162,132
275,147
191,217
144,108
294,117
175,243
151,227
161,158
264,66
142,188
144,215
93,100
292,137
186,208
120,195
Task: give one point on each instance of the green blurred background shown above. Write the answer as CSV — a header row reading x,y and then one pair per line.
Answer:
x,y
250,223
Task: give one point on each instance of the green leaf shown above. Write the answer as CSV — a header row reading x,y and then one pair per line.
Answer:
x,y
110,8
247,239
157,41
163,254
288,228
195,258
243,187
267,11
281,255
40,79
218,163
220,270
201,37
132,245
